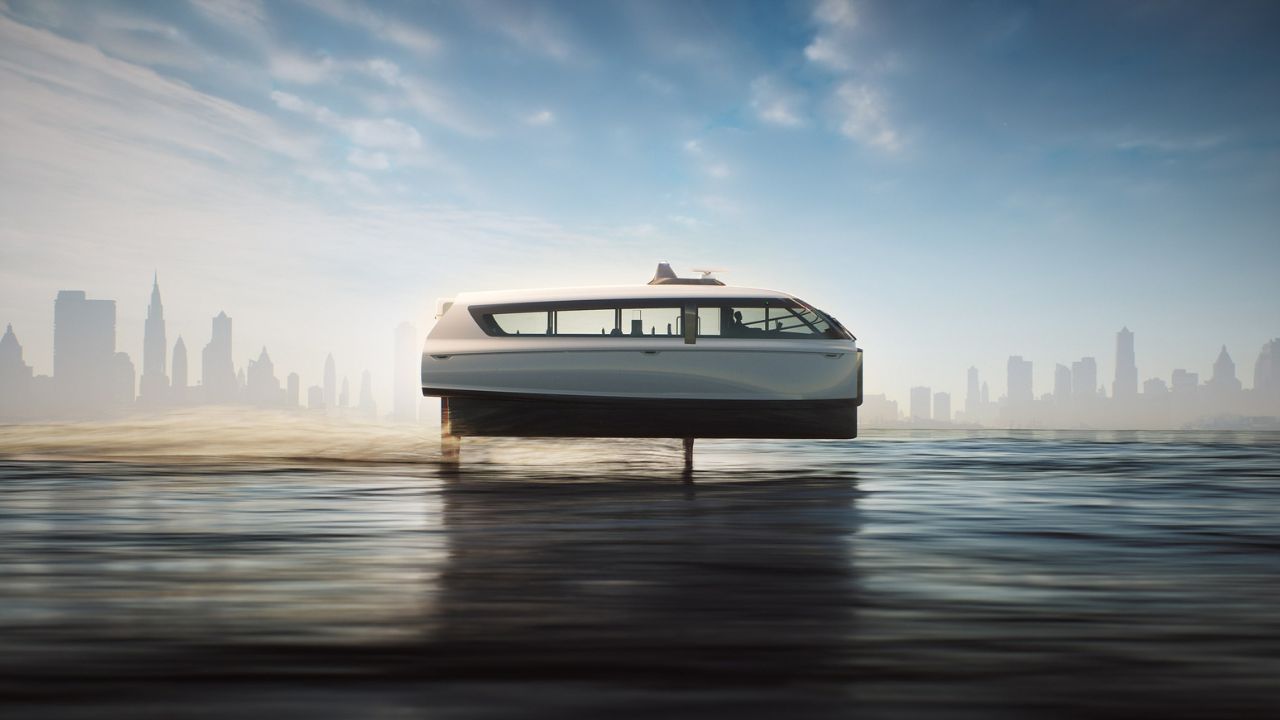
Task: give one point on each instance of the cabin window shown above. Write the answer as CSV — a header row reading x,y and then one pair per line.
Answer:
x,y
651,321
521,323
782,318
764,319
583,322
708,322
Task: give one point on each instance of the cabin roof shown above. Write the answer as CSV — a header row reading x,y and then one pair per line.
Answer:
x,y
614,292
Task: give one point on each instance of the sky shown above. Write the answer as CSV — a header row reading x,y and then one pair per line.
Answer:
x,y
958,182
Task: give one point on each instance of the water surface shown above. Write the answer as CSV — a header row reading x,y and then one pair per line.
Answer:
x,y
303,569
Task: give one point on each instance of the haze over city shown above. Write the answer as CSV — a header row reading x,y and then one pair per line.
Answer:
x,y
958,184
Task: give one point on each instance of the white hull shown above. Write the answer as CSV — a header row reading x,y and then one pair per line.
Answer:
x,y
658,368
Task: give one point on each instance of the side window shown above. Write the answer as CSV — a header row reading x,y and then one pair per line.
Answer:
x,y
651,322
747,318
770,319
743,321
709,321
522,323
584,322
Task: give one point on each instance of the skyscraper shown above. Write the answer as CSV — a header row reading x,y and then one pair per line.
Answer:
x,y
217,370
1266,373
368,408
1155,388
1019,382
330,382
294,384
84,349
1223,390
1084,379
178,392
942,407
1224,378
124,380
407,385
1125,386
154,387
315,398
262,388
920,397
1061,384
1184,384
971,395
1184,394
15,377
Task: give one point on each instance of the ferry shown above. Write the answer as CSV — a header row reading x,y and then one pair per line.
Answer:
x,y
675,358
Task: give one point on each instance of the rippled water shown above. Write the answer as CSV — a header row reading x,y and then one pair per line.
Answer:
x,y
199,567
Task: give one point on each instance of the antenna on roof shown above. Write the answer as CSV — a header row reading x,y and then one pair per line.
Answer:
x,y
707,272
664,272
666,276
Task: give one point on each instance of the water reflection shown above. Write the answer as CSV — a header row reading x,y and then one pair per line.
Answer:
x,y
743,577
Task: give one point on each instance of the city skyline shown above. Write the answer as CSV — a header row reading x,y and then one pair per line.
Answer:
x,y
92,375
1079,398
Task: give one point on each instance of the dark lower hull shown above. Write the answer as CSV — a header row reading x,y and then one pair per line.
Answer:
x,y
499,415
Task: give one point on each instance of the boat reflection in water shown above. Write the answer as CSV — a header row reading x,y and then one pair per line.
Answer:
x,y
602,590
676,358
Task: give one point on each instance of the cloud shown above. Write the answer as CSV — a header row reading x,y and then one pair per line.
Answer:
x,y
243,16
385,133
135,38
826,51
368,160
1168,143
427,101
860,108
542,117
299,69
47,77
706,161
863,116
432,104
394,30
293,103
685,221
527,24
836,20
836,13
775,104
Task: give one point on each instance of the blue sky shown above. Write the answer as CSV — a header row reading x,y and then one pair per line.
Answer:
x,y
958,182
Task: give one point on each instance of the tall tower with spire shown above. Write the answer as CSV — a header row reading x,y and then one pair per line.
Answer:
x,y
154,388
